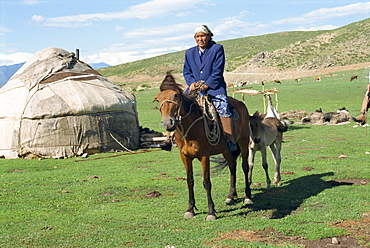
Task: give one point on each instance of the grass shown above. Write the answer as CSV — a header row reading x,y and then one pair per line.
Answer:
x,y
101,202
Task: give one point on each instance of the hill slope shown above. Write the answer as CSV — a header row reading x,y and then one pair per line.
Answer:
x,y
339,47
302,50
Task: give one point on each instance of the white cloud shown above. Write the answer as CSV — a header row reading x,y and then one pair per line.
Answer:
x,y
324,27
327,13
5,29
30,2
14,58
170,30
145,10
38,18
236,27
119,28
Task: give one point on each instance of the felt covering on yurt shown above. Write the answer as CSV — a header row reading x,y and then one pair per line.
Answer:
x,y
56,106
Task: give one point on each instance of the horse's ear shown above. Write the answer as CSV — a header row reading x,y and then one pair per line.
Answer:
x,y
263,116
256,113
155,99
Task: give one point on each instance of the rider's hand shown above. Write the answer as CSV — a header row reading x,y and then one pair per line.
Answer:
x,y
204,87
192,87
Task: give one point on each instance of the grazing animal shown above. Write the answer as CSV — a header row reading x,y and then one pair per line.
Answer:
x,y
297,80
266,132
183,114
277,81
317,78
353,78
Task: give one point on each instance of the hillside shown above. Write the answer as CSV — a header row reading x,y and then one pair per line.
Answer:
x,y
265,54
339,47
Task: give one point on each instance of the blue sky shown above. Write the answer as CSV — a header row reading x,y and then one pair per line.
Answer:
x,y
121,31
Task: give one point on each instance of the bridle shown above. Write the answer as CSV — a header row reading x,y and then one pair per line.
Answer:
x,y
179,118
213,137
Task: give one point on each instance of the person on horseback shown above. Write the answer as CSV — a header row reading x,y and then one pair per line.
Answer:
x,y
205,63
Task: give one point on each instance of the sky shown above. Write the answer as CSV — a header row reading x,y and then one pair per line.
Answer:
x,y
122,31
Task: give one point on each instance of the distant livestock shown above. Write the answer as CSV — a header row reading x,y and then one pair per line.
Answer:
x,y
317,78
277,81
320,118
353,78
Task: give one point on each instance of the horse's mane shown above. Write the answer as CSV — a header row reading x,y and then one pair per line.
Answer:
x,y
169,83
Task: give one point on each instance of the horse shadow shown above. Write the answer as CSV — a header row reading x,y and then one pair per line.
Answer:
x,y
281,201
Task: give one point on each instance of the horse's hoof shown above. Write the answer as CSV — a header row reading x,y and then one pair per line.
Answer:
x,y
277,182
248,201
188,215
228,200
211,217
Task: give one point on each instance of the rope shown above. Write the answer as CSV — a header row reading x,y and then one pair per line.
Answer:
x,y
111,135
213,134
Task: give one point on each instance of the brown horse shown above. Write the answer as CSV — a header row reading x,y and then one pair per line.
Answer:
x,y
182,114
266,132
353,78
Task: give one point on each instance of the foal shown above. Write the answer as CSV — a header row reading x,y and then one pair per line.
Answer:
x,y
266,132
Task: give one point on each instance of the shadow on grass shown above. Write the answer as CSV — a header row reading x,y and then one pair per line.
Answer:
x,y
297,127
282,201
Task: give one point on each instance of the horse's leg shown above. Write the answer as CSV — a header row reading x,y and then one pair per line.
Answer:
x,y
275,150
232,167
247,169
265,167
245,151
188,163
252,153
208,187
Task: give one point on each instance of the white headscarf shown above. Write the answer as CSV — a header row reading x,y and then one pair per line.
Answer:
x,y
203,29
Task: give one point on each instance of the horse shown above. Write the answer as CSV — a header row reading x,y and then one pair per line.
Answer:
x,y
353,78
266,131
362,118
182,114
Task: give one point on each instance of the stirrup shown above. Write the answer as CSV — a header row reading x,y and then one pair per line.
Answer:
x,y
231,146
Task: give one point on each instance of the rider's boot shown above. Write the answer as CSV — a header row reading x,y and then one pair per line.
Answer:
x,y
228,129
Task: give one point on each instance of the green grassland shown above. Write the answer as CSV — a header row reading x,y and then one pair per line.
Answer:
x,y
102,202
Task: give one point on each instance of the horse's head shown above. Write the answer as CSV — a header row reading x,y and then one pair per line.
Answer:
x,y
255,124
170,99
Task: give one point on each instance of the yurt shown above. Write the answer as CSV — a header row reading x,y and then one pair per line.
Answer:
x,y
57,106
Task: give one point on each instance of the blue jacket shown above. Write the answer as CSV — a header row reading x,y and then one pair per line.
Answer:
x,y
210,70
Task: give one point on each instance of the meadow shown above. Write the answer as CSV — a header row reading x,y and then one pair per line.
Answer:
x,y
107,201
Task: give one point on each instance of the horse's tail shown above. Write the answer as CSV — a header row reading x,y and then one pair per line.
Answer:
x,y
222,162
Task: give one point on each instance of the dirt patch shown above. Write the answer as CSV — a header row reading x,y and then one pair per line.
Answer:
x,y
356,181
359,236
